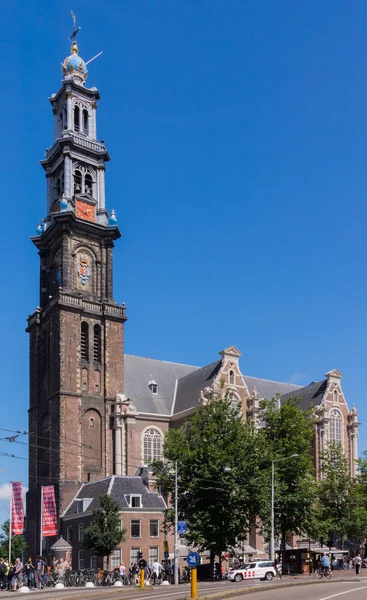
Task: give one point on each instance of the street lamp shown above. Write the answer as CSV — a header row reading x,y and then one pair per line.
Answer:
x,y
175,563
272,553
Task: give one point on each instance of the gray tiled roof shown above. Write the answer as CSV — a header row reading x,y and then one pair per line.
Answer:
x,y
189,387
120,487
311,395
139,371
269,389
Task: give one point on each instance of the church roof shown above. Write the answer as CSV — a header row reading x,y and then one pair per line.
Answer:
x,y
269,389
118,487
311,395
189,387
179,386
140,371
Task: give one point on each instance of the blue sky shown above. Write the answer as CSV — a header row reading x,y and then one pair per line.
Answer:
x,y
238,133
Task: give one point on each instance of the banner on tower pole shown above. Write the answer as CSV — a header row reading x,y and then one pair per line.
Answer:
x,y
17,510
49,515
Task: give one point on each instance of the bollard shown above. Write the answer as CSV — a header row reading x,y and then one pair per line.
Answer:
x,y
194,585
142,578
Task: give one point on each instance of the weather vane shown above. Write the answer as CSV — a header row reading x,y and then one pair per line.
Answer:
x,y
75,31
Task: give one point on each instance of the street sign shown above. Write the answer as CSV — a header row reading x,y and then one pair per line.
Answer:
x,y
181,527
193,559
165,546
166,554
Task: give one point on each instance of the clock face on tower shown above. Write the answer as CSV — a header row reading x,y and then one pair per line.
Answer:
x,y
85,211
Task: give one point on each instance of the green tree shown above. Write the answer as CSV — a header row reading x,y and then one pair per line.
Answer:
x,y
336,494
218,503
104,531
287,430
18,543
357,526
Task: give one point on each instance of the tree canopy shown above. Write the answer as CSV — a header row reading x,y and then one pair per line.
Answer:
x,y
104,532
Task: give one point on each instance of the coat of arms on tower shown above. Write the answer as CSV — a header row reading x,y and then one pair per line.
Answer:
x,y
84,268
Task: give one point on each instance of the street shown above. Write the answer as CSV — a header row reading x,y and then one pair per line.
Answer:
x,y
350,587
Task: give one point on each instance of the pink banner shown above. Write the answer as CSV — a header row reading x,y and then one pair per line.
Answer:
x,y
17,510
49,515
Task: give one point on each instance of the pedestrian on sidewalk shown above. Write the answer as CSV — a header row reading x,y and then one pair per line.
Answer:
x,y
18,574
357,563
40,570
3,571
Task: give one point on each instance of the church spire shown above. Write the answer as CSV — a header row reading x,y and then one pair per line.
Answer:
x,y
73,65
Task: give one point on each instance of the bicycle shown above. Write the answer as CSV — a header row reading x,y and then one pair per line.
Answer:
x,y
324,572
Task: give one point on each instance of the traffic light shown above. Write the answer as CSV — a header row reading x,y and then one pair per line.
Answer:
x,y
140,555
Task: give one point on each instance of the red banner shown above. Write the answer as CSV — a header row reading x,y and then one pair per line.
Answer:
x,y
49,515
17,510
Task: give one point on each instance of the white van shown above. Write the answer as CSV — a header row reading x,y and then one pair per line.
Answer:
x,y
258,569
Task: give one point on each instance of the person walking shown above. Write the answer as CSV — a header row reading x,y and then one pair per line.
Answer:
x,y
3,571
40,570
29,572
156,568
357,563
18,574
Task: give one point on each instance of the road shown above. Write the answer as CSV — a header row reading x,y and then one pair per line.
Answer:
x,y
347,589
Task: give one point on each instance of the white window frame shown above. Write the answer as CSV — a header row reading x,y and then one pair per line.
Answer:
x,y
152,454
150,533
229,377
115,556
140,500
135,521
335,425
134,554
151,559
81,558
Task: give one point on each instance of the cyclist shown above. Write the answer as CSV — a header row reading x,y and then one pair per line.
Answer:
x,y
325,563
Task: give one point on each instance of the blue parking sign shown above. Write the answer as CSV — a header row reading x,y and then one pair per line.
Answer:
x,y
181,527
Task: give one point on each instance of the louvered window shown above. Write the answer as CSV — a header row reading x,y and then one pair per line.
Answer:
x,y
84,341
97,343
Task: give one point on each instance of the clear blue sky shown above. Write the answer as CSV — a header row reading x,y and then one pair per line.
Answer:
x,y
238,138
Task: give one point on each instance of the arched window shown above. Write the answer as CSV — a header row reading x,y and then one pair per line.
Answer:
x,y
336,427
88,184
77,182
77,118
84,341
97,343
152,445
57,188
85,121
97,381
84,380
232,379
336,397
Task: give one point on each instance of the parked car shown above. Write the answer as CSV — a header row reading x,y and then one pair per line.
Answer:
x,y
259,569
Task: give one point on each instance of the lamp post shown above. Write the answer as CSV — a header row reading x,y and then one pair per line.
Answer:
x,y
272,535
175,563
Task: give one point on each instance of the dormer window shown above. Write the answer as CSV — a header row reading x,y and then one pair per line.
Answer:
x,y
134,500
153,386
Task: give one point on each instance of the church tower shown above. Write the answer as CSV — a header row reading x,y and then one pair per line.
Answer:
x,y
77,332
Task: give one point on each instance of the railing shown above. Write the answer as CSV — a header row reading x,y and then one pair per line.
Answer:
x,y
108,309
79,141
